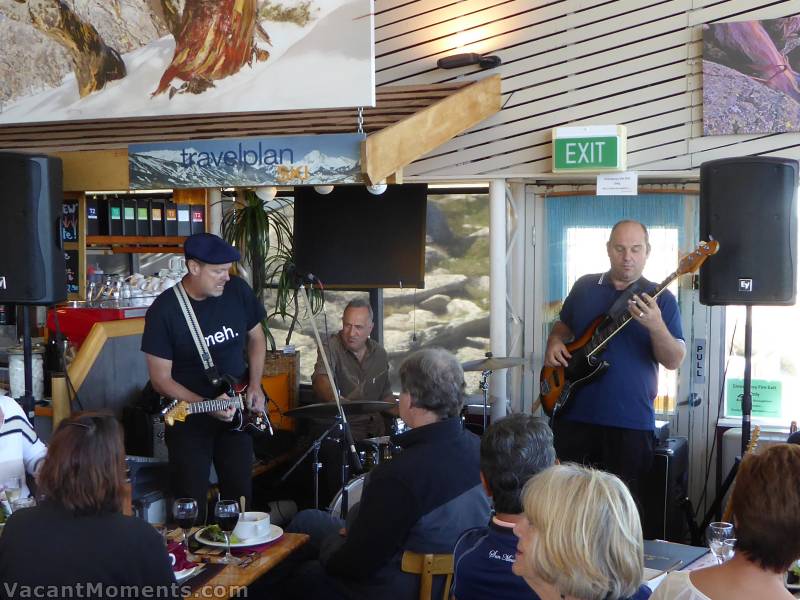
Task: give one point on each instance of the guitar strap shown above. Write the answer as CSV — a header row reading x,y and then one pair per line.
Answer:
x,y
210,369
620,306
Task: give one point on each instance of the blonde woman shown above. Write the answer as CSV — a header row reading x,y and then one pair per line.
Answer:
x,y
581,538
766,511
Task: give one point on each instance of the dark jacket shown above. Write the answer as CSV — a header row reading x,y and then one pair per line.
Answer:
x,y
48,546
420,501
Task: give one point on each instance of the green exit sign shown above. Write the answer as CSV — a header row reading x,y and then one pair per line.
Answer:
x,y
589,148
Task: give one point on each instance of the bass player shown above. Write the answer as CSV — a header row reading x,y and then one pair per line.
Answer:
x,y
229,315
610,422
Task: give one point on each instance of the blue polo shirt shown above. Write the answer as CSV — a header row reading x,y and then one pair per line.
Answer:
x,y
482,561
623,395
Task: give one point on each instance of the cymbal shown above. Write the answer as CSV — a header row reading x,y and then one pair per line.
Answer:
x,y
328,410
494,363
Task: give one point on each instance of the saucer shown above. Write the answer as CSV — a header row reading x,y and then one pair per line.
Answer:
x,y
273,534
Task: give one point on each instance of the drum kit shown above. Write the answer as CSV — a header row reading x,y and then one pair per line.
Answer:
x,y
374,451
375,446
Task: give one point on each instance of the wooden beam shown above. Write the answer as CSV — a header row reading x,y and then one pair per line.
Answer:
x,y
93,344
396,177
396,146
95,170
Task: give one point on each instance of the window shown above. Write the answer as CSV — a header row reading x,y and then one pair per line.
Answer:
x,y
775,380
451,312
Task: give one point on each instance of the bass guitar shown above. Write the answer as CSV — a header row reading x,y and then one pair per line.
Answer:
x,y
557,385
243,420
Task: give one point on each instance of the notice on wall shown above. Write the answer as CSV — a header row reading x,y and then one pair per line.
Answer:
x,y
72,269
618,184
766,396
69,221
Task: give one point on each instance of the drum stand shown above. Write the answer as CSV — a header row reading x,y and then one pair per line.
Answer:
x,y
484,385
315,464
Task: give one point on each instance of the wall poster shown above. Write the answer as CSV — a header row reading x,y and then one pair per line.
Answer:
x,y
95,59
750,76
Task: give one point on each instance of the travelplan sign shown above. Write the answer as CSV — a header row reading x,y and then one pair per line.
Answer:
x,y
242,162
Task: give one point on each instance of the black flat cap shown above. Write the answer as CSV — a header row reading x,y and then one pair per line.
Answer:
x,y
210,249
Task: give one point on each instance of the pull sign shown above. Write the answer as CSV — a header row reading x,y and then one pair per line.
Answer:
x,y
699,361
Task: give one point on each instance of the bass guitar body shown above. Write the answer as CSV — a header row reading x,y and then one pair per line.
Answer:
x,y
557,385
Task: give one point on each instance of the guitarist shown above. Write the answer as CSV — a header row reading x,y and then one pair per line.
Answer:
x,y
230,316
610,421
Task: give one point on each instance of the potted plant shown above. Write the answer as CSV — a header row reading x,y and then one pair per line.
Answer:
x,y
262,231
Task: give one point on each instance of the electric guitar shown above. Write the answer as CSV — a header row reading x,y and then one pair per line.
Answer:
x,y
243,420
557,385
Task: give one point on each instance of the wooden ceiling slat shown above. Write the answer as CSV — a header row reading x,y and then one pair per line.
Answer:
x,y
394,103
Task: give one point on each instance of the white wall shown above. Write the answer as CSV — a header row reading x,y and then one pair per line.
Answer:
x,y
631,62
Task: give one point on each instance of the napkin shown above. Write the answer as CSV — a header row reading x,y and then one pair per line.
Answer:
x,y
181,562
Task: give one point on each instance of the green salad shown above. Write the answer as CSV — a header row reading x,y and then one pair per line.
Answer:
x,y
215,534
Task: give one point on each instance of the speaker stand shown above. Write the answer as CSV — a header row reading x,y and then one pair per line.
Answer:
x,y
27,401
747,398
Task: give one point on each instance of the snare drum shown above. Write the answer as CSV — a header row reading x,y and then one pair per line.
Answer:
x,y
354,489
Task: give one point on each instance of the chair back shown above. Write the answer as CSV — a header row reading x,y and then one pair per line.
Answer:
x,y
426,566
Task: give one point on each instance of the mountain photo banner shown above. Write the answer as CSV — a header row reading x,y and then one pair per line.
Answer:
x,y
95,59
240,162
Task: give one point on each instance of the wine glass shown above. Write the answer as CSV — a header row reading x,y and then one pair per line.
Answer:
x,y
227,513
13,487
716,534
728,549
184,510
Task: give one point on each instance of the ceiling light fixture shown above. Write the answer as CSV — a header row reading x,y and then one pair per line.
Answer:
x,y
323,189
377,189
266,192
466,59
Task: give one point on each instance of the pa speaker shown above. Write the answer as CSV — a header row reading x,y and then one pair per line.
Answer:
x,y
665,490
749,205
32,267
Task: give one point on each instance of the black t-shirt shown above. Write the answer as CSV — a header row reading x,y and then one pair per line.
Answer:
x,y
224,320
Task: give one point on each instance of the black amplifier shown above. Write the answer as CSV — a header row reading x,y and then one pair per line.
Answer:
x,y
664,490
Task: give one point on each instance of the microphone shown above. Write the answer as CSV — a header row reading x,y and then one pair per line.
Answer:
x,y
355,459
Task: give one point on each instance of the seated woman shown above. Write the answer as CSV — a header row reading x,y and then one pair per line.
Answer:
x,y
581,538
21,450
77,535
765,503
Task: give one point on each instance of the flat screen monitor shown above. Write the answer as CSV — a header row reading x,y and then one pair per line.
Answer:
x,y
353,239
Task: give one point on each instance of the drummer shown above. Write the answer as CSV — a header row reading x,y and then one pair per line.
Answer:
x,y
360,369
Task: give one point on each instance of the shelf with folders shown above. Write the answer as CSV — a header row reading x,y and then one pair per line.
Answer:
x,y
133,244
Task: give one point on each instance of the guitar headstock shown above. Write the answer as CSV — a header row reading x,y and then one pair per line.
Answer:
x,y
691,262
753,443
176,411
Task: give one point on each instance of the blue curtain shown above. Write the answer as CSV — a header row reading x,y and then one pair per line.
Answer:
x,y
563,212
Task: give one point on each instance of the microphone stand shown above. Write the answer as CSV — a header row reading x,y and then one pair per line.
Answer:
x,y
348,445
315,464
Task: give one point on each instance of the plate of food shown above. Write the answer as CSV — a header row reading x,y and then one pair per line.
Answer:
x,y
213,536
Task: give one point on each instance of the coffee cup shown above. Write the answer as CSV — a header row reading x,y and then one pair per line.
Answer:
x,y
252,524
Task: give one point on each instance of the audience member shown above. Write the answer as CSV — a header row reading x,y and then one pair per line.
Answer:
x,y
513,450
765,503
21,450
422,500
76,542
581,538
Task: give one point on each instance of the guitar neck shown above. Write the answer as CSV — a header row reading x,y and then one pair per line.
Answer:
x,y
215,404
617,325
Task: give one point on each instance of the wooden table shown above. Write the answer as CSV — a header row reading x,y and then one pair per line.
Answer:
x,y
231,578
